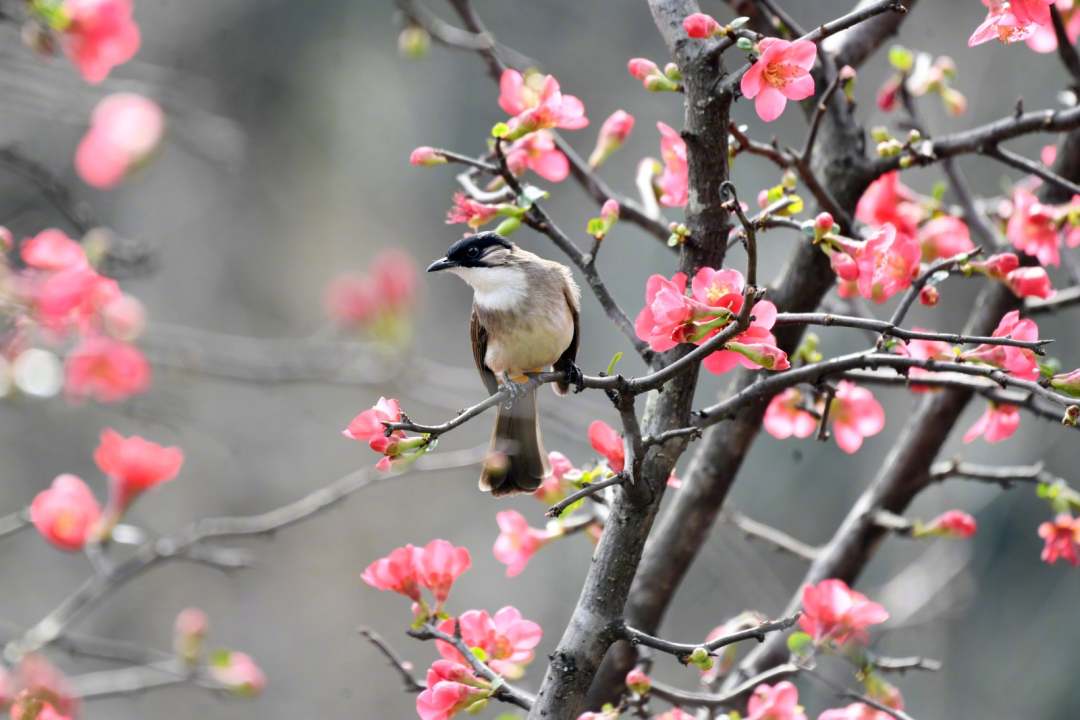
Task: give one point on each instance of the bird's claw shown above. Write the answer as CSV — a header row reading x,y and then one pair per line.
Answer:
x,y
575,377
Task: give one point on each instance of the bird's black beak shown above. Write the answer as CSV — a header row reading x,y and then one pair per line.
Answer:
x,y
441,264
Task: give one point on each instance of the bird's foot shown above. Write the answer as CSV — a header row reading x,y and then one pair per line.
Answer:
x,y
517,390
575,377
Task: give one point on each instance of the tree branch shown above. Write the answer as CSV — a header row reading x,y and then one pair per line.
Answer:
x,y
682,651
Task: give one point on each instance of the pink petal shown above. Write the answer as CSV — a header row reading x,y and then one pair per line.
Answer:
x,y
770,103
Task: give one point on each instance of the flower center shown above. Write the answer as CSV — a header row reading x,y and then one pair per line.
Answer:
x,y
780,74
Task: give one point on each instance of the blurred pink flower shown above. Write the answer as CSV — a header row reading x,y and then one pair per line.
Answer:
x,y
396,572
665,313
451,688
952,523
65,514
855,414
1011,21
537,152
52,250
105,369
238,673
887,200
609,443
125,129
888,262
71,298
855,711
133,466
997,423
781,73
1061,538
517,542
1017,361
674,180
472,213
438,565
786,417
833,611
1032,227
425,156
100,35
944,237
775,702
124,318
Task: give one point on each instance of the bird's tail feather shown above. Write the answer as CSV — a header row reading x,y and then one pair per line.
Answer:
x,y
517,462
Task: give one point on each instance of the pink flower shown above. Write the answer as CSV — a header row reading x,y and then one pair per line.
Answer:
x,y
676,714
606,441
700,26
952,523
368,426
125,129
1010,21
537,152
438,565
785,416
944,237
133,466
1032,228
40,685
472,213
1044,39
350,300
775,702
844,265
100,35
53,250
537,103
554,486
855,711
674,181
924,350
124,318
665,313
1061,537
1014,360
425,156
781,73
71,298
65,513
517,542
997,423
1068,383
507,639
105,369
887,200
833,611
719,288
888,262
888,92
393,274
396,572
997,266
238,673
929,296
1030,282
613,134
451,688
855,415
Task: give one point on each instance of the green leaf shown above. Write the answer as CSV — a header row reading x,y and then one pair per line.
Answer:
x,y
219,658
939,189
479,653
595,226
508,226
1044,491
800,643
738,22
744,44
614,361
529,195
500,130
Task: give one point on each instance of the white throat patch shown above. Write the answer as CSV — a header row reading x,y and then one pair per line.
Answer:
x,y
495,288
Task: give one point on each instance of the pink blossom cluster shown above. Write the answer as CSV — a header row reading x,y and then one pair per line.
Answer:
x,y
407,569
536,102
68,515
396,447
1039,230
834,613
1010,21
62,301
672,316
36,689
1062,539
125,131
506,639
378,301
855,414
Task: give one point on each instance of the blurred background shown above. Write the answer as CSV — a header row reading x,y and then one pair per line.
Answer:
x,y
286,164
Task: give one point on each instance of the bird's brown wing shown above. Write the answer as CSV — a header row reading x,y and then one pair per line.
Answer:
x,y
478,335
569,356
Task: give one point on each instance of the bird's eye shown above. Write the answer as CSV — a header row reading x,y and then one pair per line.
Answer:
x,y
474,251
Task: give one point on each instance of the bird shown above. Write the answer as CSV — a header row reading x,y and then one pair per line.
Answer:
x,y
525,319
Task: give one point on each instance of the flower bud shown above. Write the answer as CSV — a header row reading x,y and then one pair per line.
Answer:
x,y
237,673
929,296
954,100
745,44
701,659
613,134
700,26
1072,415
844,266
880,134
660,83
610,210
997,266
189,631
124,318
425,156
638,681
1030,282
672,72
414,42
1068,383
641,68
950,524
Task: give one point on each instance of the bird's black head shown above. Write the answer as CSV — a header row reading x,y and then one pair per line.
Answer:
x,y
473,251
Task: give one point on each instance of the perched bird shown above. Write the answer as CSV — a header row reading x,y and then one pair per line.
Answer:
x,y
524,320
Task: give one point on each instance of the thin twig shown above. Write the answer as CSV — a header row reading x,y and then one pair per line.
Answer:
x,y
1030,166
683,650
588,491
403,668
773,536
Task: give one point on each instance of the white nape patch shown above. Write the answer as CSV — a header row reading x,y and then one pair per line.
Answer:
x,y
495,288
